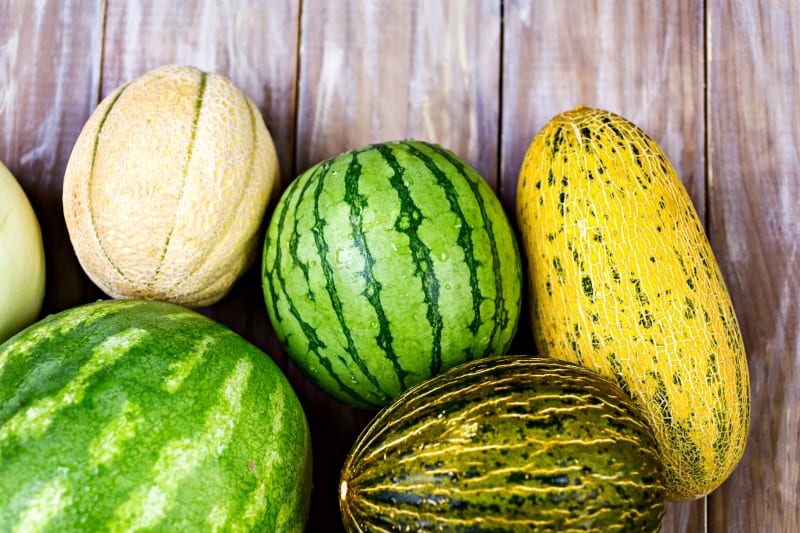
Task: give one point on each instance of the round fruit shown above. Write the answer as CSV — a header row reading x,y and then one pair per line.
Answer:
x,y
506,444
22,265
128,415
167,186
386,265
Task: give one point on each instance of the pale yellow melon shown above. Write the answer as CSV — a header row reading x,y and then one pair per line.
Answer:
x,y
167,185
22,265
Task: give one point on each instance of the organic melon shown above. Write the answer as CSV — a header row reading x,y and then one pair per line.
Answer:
x,y
22,264
167,186
126,415
623,280
388,264
506,444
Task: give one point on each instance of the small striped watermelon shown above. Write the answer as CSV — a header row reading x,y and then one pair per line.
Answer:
x,y
128,415
501,444
388,264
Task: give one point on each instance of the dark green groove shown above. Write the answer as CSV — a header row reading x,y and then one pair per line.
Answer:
x,y
90,187
464,239
198,105
408,223
318,229
372,291
315,344
502,315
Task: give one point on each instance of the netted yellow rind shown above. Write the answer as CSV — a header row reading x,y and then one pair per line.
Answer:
x,y
623,281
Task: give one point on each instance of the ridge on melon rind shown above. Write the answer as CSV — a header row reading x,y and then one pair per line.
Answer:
x,y
388,264
502,444
126,414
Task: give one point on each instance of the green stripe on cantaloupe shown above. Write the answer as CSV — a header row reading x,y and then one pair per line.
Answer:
x,y
506,444
167,185
126,414
388,264
623,280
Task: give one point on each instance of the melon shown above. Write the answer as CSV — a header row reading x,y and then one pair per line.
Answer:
x,y
624,281
506,444
167,186
386,265
125,415
22,262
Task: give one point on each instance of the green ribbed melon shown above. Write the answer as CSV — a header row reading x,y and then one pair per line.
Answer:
x,y
506,444
129,415
388,264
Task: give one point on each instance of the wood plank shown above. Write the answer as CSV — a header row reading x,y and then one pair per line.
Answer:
x,y
377,71
47,91
643,60
754,133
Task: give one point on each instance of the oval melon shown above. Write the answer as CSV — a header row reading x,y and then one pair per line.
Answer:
x,y
624,281
127,415
167,185
506,444
22,262
388,264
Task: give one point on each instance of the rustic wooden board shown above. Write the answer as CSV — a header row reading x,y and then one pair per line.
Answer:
x,y
643,60
715,83
377,71
46,93
754,130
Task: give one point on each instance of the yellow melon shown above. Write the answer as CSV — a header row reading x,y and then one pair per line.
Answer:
x,y
167,185
22,265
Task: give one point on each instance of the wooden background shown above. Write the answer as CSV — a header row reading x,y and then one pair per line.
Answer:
x,y
714,82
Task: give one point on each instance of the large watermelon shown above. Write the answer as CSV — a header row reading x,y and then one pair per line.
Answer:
x,y
388,264
127,415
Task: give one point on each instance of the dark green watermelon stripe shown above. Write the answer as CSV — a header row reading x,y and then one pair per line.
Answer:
x,y
315,345
90,180
501,311
408,223
184,177
318,230
372,291
465,230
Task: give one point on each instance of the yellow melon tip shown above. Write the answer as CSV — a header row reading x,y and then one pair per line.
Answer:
x,y
579,107
343,491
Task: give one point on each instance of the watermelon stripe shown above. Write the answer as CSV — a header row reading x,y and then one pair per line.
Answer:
x,y
90,184
148,504
465,231
315,345
112,434
408,223
184,178
372,291
318,229
501,311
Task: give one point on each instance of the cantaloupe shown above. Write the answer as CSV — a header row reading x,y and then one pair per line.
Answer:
x,y
167,185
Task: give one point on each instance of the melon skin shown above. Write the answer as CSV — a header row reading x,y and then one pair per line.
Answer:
x,y
167,186
506,444
386,265
120,415
22,259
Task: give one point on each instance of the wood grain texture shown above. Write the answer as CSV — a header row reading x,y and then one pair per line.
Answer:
x,y
643,60
754,131
47,92
377,71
